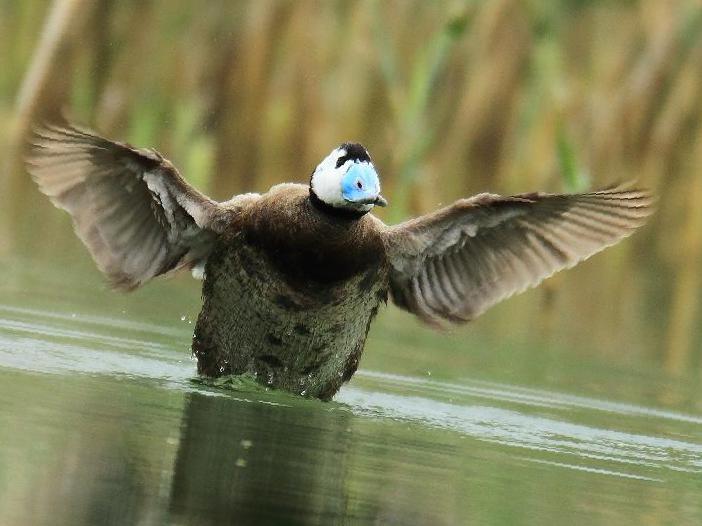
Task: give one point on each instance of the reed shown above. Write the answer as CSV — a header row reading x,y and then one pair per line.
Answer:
x,y
451,98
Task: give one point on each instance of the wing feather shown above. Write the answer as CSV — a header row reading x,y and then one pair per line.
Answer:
x,y
457,262
130,207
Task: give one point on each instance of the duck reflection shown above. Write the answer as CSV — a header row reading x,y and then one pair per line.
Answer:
x,y
245,462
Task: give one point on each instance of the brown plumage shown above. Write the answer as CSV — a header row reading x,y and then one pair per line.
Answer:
x,y
292,283
457,262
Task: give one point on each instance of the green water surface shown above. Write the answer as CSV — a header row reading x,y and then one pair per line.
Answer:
x,y
102,421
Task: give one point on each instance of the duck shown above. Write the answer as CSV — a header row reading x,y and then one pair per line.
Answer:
x,y
293,278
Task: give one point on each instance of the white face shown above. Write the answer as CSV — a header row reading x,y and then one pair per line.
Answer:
x,y
353,185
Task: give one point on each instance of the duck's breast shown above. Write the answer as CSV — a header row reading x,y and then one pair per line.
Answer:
x,y
309,246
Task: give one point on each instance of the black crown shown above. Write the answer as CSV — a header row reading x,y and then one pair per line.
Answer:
x,y
354,152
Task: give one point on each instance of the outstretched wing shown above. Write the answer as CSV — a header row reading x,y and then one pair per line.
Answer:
x,y
130,206
457,262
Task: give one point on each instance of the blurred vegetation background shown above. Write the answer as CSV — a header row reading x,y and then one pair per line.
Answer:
x,y
451,98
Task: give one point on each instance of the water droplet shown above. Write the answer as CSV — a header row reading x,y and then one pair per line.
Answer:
x,y
240,463
73,315
246,444
428,373
183,317
303,392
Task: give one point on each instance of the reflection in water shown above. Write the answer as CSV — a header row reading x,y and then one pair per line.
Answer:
x,y
102,424
92,480
254,463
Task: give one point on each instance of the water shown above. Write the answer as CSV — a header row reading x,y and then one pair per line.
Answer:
x,y
102,421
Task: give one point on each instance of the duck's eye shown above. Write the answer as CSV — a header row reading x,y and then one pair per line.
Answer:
x,y
359,184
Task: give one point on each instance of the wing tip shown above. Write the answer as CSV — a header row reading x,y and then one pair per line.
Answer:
x,y
121,282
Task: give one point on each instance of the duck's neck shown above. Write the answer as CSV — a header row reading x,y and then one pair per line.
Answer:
x,y
341,213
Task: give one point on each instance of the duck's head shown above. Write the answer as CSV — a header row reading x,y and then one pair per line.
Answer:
x,y
346,179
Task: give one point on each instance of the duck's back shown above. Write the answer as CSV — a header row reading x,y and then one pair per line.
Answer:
x,y
289,294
